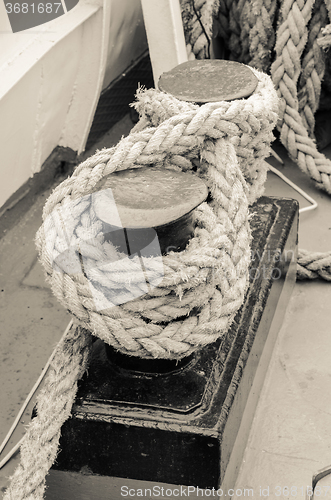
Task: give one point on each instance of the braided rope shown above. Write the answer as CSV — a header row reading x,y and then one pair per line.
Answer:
x,y
324,42
248,29
211,273
210,276
247,128
235,40
324,39
218,146
312,69
134,327
291,38
261,18
54,404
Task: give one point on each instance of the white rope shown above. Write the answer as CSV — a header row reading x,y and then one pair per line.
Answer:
x,y
25,404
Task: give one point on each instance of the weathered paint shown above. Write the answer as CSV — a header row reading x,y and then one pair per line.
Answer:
x,y
51,78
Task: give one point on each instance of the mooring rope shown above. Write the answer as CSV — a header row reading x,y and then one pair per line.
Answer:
x,y
312,265
203,286
262,15
292,36
291,39
223,143
196,15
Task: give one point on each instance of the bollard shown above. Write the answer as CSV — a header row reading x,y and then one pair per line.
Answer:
x,y
154,205
207,80
153,422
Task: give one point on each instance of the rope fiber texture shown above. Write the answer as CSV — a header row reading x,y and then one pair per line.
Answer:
x,y
196,16
285,38
312,265
225,144
203,286
312,69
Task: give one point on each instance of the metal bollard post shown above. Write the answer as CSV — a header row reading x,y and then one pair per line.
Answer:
x,y
147,423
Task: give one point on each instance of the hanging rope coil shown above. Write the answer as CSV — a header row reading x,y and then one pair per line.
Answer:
x,y
224,145
54,403
235,39
295,38
291,39
312,69
196,17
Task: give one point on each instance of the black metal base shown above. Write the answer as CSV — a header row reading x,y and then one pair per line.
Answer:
x,y
180,426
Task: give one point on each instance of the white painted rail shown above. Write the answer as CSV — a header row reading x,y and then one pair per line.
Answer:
x,y
165,35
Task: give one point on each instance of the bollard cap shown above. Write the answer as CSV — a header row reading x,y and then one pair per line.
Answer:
x,y
209,80
148,196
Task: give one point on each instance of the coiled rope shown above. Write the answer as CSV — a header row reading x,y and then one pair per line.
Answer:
x,y
203,286
214,134
290,39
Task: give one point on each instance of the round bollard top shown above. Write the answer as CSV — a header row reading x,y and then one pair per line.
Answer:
x,y
148,196
209,80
